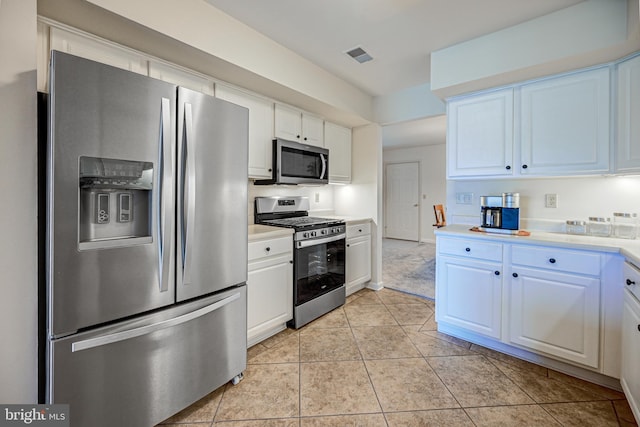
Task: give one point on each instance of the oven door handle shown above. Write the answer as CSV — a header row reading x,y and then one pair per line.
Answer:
x,y
314,242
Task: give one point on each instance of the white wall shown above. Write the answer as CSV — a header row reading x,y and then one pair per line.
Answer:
x,y
578,198
589,33
432,180
363,197
18,190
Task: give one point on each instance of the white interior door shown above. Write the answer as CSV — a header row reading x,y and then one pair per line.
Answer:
x,y
402,210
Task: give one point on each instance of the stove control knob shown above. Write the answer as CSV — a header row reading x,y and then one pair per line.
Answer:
x,y
305,234
314,234
323,231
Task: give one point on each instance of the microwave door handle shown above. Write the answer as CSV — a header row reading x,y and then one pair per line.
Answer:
x,y
189,196
166,195
324,166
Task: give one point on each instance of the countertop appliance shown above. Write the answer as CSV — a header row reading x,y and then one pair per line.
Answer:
x,y
146,244
295,163
318,255
500,214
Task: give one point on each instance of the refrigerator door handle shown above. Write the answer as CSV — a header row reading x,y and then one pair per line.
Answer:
x,y
189,202
148,329
166,190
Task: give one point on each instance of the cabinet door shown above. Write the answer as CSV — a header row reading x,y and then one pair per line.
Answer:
x,y
630,374
269,299
288,123
338,140
312,130
556,313
260,129
89,48
628,149
480,135
565,125
358,256
469,294
180,77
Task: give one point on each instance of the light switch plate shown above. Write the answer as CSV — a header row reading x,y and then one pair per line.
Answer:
x,y
464,198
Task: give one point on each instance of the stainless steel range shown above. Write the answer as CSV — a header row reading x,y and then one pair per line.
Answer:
x,y
318,255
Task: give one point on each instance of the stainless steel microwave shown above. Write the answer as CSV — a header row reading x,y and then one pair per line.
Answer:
x,y
296,163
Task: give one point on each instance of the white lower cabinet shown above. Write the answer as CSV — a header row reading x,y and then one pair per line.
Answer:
x,y
556,313
469,294
630,370
358,256
269,288
543,300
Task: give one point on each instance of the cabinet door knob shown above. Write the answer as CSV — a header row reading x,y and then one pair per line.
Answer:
x,y
508,167
515,274
638,328
552,260
298,136
467,249
348,246
305,138
359,230
630,282
497,273
290,261
268,248
524,166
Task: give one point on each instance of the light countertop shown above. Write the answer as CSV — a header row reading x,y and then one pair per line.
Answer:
x,y
260,232
348,219
630,249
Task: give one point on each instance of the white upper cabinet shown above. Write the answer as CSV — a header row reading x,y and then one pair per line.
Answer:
x,y
628,147
338,140
294,125
97,50
260,129
564,125
480,135
180,77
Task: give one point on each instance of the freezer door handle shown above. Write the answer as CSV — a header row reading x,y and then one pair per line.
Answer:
x,y
166,192
189,202
145,330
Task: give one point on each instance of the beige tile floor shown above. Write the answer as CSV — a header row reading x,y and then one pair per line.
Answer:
x,y
379,361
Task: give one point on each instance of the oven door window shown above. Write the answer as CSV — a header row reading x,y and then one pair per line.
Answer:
x,y
319,269
300,164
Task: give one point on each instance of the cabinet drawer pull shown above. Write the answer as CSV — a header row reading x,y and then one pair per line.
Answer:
x,y
552,260
359,230
467,249
630,282
638,328
267,248
524,166
497,273
508,167
515,274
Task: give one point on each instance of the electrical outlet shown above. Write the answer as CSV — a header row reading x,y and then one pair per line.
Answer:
x,y
317,197
464,198
551,200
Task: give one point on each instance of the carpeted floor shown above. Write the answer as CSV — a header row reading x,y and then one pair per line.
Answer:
x,y
409,266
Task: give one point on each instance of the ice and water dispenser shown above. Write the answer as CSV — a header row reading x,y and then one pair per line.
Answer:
x,y
115,202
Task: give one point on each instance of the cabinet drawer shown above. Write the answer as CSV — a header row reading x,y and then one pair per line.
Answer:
x,y
358,229
557,259
265,248
470,248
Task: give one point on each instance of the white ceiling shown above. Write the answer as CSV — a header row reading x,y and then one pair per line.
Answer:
x,y
399,34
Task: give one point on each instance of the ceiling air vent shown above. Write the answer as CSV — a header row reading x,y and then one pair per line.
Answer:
x,y
359,54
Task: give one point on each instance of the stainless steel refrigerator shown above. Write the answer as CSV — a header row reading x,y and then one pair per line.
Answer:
x,y
146,244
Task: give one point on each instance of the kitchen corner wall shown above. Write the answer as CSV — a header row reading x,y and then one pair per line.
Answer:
x,y
18,219
578,198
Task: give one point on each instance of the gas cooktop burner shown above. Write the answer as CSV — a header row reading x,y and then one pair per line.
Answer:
x,y
301,222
